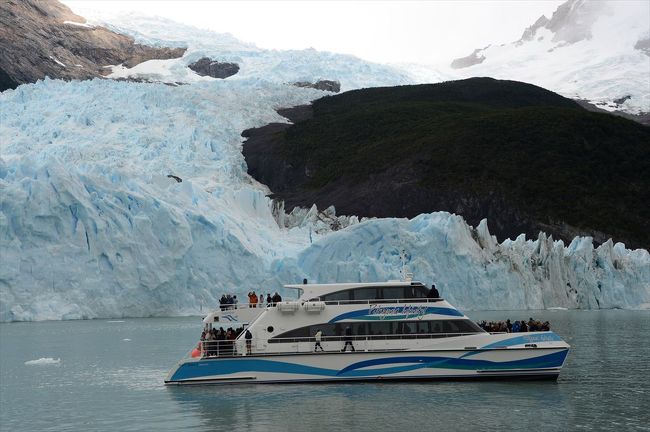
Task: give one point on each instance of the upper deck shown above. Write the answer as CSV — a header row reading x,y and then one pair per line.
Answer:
x,y
361,291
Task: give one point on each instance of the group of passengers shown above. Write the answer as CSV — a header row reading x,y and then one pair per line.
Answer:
x,y
516,327
228,301
271,300
219,342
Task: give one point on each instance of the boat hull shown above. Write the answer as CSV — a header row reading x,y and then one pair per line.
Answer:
x,y
479,364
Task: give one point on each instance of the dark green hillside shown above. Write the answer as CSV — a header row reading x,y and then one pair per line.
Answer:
x,y
525,158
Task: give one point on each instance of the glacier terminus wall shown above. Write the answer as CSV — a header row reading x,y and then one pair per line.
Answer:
x,y
91,226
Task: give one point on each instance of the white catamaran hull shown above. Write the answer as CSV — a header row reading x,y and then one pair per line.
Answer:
x,y
522,363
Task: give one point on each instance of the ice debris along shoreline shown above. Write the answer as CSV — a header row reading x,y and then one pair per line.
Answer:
x,y
92,227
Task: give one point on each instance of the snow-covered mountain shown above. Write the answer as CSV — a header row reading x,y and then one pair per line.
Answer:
x,y
91,224
290,66
593,50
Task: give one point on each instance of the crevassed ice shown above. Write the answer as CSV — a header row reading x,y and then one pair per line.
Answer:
x,y
91,226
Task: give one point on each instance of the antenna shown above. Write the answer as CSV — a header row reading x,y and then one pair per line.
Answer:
x,y
406,276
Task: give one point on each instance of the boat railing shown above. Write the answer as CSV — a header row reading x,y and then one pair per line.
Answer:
x,y
380,301
370,337
236,306
218,348
229,348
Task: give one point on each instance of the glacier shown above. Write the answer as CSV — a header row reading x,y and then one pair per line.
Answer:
x,y
474,271
92,226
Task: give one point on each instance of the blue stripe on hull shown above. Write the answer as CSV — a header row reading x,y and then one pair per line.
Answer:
x,y
224,367
532,375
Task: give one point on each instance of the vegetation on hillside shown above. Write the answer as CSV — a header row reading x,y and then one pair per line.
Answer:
x,y
554,160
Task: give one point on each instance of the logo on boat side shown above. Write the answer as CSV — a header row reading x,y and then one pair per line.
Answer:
x,y
545,337
384,312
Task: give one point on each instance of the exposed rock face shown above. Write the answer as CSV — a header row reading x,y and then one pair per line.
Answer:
x,y
36,41
643,118
208,67
529,33
309,162
325,85
571,22
473,59
643,45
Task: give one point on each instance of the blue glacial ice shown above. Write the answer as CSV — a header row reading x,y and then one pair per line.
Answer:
x,y
91,226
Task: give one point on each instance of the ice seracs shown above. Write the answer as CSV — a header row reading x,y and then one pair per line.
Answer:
x,y
92,226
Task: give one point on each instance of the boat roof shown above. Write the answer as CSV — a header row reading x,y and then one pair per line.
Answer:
x,y
318,289
355,284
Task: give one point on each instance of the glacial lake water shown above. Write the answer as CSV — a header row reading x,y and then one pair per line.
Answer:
x,y
110,378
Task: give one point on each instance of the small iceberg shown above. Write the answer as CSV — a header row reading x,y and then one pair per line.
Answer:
x,y
126,340
115,321
557,308
43,361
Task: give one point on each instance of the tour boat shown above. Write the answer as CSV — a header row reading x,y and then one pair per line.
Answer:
x,y
389,330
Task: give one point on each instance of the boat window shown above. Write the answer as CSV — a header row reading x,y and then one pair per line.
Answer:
x,y
375,293
296,333
436,327
424,327
379,328
368,293
327,329
416,291
407,327
393,292
450,327
468,326
358,328
335,296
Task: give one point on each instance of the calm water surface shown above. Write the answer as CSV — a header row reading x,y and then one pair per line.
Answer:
x,y
110,378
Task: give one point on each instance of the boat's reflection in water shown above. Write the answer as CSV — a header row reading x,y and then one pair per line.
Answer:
x,y
377,406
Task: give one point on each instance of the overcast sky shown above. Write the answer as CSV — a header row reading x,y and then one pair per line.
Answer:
x,y
427,32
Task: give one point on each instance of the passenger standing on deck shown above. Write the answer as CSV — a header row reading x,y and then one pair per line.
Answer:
x,y
433,293
209,345
348,339
523,327
254,300
269,300
249,341
318,336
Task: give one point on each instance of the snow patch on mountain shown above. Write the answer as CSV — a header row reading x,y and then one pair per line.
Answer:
x,y
288,66
590,50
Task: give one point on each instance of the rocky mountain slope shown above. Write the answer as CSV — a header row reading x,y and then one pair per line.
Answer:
x,y
527,159
44,38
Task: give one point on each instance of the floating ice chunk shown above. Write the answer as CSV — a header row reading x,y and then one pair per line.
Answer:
x,y
43,361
